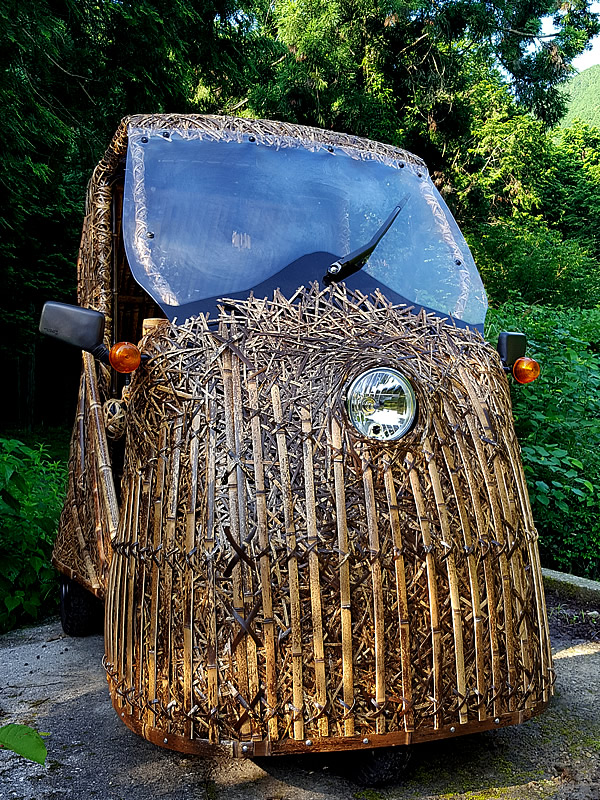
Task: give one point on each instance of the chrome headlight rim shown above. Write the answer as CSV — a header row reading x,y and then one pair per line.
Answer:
x,y
410,393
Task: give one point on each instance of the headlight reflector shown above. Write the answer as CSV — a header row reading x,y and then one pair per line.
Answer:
x,y
381,404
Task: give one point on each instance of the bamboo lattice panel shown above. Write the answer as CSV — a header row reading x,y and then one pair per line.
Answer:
x,y
279,583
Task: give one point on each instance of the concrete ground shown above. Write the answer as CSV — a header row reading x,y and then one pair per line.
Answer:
x,y
57,685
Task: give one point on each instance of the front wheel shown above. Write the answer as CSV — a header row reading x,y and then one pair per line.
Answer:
x,y
379,767
81,613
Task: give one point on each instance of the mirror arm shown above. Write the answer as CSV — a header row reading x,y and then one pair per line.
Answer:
x,y
100,351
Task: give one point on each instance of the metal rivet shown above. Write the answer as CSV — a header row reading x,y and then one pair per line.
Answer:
x,y
419,174
458,262
252,138
453,729
165,134
244,748
334,269
497,721
122,713
308,742
149,235
365,740
401,165
165,741
330,148
144,140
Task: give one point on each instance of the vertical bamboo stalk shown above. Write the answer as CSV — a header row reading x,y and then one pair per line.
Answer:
x,y
401,596
344,567
516,570
436,633
158,501
504,573
131,567
240,655
246,571
101,446
313,566
145,542
478,619
459,657
188,592
290,532
209,547
536,569
122,569
482,533
265,568
169,677
376,579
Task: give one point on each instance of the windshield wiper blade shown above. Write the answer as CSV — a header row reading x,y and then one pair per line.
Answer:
x,y
356,260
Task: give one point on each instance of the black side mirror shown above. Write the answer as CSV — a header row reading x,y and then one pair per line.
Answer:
x,y
81,327
511,346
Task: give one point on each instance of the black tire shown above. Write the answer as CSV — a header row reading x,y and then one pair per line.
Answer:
x,y
81,613
384,765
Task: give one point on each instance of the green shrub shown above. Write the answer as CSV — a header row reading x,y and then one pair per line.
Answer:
x,y
558,423
520,258
31,495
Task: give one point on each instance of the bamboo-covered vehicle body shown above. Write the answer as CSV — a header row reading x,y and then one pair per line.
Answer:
x,y
298,550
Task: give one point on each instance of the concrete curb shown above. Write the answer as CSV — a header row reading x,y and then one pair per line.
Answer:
x,y
572,587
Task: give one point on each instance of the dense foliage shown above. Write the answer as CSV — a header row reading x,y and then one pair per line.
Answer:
x,y
584,98
474,88
31,495
558,423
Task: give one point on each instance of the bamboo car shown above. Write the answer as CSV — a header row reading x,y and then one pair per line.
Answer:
x,y
304,507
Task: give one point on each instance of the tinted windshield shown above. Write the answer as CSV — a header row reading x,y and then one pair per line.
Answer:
x,y
208,216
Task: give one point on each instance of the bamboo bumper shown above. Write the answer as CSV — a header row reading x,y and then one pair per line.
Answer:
x,y
280,584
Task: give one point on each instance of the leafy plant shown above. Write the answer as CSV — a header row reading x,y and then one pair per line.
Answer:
x,y
31,492
558,423
24,741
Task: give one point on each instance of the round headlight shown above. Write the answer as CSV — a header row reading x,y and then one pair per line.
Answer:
x,y
381,404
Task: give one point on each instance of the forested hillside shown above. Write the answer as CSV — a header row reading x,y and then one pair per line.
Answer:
x,y
584,98
474,88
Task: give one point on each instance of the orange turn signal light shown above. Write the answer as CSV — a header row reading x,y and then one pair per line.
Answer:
x,y
124,357
525,370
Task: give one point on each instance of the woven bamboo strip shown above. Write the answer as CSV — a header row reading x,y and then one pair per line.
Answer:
x,y
190,541
294,589
478,619
313,566
344,568
376,577
461,684
401,596
436,633
237,597
268,621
